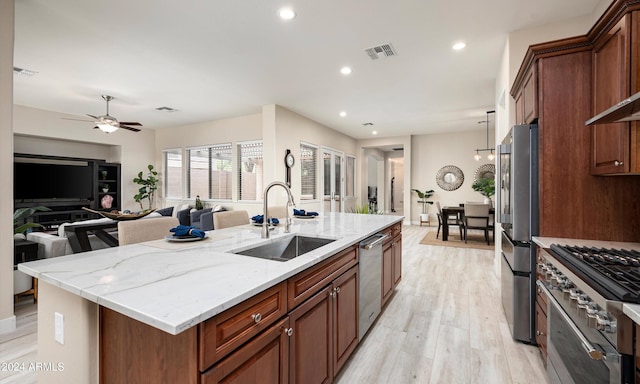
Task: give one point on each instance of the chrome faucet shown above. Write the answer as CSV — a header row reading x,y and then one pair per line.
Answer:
x,y
290,202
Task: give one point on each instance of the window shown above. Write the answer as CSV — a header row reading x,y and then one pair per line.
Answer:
x,y
250,170
172,159
350,183
209,174
308,170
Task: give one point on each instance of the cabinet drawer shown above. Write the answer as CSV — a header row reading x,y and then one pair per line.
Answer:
x,y
305,284
265,357
541,299
226,331
541,331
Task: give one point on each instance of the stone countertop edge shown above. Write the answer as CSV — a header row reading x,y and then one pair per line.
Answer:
x,y
631,310
173,290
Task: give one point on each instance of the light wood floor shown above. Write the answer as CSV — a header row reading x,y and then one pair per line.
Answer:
x,y
445,324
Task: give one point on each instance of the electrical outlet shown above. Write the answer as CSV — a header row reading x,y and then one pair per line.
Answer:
x,y
59,328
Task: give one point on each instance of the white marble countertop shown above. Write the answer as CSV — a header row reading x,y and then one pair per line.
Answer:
x,y
631,310
174,287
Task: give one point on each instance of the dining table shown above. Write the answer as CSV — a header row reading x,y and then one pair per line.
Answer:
x,y
457,211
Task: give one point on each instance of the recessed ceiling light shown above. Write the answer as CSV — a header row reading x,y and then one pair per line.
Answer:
x,y
345,70
343,114
459,45
287,14
374,132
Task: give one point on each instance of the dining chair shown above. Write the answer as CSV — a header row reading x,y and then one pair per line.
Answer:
x,y
451,220
476,216
137,231
228,219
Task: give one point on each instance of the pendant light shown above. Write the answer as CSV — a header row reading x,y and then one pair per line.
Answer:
x,y
491,156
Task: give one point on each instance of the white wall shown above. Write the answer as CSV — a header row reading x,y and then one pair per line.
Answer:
x,y
279,128
432,152
46,133
292,129
7,318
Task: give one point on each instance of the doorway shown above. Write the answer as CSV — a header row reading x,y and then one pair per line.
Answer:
x,y
395,177
333,186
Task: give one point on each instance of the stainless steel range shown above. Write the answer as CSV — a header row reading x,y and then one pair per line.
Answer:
x,y
589,339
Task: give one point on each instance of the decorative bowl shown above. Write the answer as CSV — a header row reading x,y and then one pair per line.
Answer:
x,y
120,215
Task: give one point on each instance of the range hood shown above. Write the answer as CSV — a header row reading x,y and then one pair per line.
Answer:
x,y
626,110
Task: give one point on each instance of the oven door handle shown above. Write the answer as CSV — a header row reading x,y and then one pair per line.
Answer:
x,y
593,353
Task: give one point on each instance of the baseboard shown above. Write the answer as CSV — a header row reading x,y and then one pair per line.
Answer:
x,y
8,325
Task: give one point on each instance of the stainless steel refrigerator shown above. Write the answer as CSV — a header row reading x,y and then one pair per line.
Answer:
x,y
517,211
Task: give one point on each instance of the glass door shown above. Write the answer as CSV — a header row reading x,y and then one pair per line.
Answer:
x,y
333,187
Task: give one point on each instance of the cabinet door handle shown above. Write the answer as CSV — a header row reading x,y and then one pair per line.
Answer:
x,y
332,294
540,333
257,317
288,331
618,163
336,290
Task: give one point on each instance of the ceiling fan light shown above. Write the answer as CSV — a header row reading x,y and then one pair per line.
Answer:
x,y
107,128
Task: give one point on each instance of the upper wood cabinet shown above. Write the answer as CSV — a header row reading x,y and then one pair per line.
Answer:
x,y
610,143
527,98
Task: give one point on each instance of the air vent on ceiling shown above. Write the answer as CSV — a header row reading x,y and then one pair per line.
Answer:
x,y
381,51
167,109
398,149
365,124
23,72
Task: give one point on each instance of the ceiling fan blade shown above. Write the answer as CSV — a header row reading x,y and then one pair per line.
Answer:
x,y
129,128
131,123
95,117
66,118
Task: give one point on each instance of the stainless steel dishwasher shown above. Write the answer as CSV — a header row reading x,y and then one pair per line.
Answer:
x,y
370,271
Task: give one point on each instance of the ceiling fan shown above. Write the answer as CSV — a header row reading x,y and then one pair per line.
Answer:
x,y
108,123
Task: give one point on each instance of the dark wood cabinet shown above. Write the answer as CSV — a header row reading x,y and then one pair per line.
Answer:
x,y
611,84
107,182
225,332
397,260
265,359
391,265
325,331
310,348
345,317
527,99
387,271
572,202
541,324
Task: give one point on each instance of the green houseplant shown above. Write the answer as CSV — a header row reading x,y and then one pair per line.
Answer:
x,y
423,196
486,187
148,186
19,226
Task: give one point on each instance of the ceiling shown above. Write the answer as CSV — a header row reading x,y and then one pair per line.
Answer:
x,y
217,59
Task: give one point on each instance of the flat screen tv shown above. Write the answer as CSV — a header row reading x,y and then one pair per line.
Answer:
x,y
36,181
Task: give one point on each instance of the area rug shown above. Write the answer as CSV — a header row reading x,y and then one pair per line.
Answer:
x,y
475,240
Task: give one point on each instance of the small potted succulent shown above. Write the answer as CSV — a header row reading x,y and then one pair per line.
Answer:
x,y
423,196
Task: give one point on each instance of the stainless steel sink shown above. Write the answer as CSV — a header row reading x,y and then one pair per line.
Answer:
x,y
286,248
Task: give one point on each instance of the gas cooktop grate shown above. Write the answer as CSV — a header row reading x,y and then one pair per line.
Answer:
x,y
614,271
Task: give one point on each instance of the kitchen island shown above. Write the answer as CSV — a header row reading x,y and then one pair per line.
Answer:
x,y
173,288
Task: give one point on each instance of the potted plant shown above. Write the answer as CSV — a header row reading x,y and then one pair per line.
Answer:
x,y
19,226
423,196
486,187
148,186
